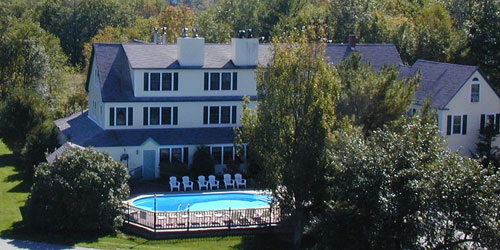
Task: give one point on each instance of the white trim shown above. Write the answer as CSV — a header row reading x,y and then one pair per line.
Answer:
x,y
220,114
160,116
172,77
231,87
478,92
115,124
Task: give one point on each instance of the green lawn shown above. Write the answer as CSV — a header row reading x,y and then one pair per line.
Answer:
x,y
14,192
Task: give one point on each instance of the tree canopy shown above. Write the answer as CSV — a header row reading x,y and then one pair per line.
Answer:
x,y
86,189
297,94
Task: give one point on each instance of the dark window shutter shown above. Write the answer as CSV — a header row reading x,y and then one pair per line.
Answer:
x,y
497,121
175,115
205,115
145,116
464,125
206,81
235,80
111,116
448,125
130,116
483,120
234,114
186,155
176,81
146,81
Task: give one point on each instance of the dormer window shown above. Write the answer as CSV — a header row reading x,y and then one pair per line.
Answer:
x,y
474,93
161,81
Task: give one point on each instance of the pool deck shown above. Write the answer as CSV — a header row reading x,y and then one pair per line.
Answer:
x,y
181,224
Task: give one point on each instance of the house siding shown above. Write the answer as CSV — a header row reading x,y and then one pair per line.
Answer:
x,y
489,102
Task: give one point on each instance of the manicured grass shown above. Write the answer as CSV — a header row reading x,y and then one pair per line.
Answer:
x,y
14,192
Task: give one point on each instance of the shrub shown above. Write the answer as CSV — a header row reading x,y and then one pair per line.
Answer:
x,y
22,111
177,169
81,191
40,140
203,164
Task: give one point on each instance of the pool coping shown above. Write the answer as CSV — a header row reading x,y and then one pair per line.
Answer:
x,y
131,199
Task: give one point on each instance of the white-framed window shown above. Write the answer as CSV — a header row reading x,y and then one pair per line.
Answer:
x,y
456,124
174,154
161,115
161,81
219,114
489,120
225,154
214,81
121,116
474,93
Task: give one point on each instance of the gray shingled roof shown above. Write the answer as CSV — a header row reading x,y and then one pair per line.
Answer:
x,y
164,56
377,55
79,129
114,74
440,81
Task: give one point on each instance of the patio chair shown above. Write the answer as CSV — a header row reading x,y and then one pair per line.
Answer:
x,y
212,182
187,183
202,182
174,184
240,181
228,182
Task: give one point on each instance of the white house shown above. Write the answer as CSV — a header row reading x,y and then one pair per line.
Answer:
x,y
464,100
155,103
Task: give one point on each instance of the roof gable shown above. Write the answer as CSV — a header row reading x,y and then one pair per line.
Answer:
x,y
440,82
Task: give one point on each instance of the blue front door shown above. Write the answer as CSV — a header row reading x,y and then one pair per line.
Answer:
x,y
149,164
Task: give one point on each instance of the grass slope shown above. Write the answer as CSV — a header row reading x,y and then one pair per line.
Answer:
x,y
14,192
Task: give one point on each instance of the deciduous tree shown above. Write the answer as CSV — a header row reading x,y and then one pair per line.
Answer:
x,y
287,132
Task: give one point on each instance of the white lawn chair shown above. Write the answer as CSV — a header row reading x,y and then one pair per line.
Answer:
x,y
228,182
174,184
202,182
212,182
187,183
240,181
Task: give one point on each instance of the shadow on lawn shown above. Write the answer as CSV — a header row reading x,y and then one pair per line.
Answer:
x,y
20,231
266,241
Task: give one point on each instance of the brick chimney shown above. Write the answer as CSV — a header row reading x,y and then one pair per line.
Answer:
x,y
352,41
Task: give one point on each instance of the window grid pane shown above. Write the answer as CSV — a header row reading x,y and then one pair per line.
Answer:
x,y
155,81
176,154
457,123
166,81
228,155
214,81
214,115
474,96
225,114
121,116
226,81
166,116
217,155
154,116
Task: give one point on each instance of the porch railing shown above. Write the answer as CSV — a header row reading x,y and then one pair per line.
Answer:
x,y
136,173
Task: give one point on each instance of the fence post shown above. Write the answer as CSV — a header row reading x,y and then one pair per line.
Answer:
x,y
128,213
188,220
229,219
154,214
270,214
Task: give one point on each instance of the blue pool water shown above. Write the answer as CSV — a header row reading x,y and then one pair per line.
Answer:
x,y
203,202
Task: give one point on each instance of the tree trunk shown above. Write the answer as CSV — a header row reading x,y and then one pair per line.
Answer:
x,y
299,227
